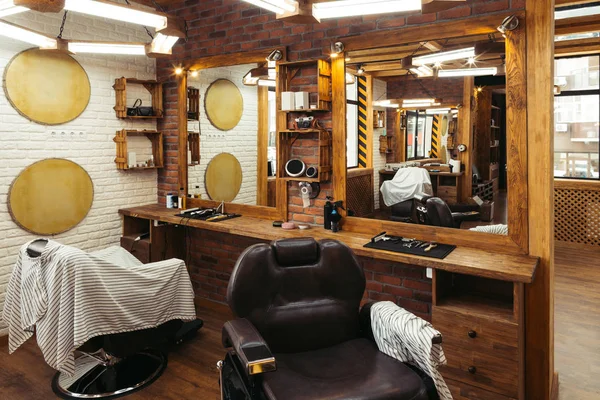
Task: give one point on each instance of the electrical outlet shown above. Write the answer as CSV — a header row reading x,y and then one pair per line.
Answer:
x,y
429,273
69,134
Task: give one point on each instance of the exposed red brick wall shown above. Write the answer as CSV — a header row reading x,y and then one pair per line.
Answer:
x,y
450,90
213,256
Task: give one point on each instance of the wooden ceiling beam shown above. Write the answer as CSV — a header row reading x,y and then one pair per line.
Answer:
x,y
577,47
564,3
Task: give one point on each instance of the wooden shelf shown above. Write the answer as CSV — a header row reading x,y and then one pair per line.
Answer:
x,y
156,139
301,179
154,87
193,104
309,110
300,131
478,306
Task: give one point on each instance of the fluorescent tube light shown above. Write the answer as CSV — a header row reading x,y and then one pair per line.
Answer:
x,y
448,73
117,12
421,71
419,105
348,8
267,82
417,101
433,111
7,7
163,44
108,48
385,103
277,6
25,35
445,56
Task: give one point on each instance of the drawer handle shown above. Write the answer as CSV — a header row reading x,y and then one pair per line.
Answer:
x,y
472,334
472,369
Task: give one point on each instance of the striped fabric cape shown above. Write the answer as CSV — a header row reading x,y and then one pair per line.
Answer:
x,y
69,296
408,338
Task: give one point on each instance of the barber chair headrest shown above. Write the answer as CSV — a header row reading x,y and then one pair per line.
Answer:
x,y
422,198
296,252
36,247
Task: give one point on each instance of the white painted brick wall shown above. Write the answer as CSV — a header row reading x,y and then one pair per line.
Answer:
x,y
241,141
23,142
379,160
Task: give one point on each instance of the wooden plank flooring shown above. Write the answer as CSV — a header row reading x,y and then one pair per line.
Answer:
x,y
192,373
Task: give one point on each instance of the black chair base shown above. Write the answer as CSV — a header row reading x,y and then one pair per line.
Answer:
x,y
107,382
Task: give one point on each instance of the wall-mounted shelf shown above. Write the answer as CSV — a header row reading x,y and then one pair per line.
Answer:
x,y
194,148
386,144
154,87
289,70
155,137
321,157
193,113
378,116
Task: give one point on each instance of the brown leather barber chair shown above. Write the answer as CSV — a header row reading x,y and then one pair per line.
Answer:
x,y
434,211
299,333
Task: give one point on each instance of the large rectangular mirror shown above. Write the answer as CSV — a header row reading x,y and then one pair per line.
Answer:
x,y
231,130
435,118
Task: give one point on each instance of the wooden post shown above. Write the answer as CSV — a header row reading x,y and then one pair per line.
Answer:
x,y
465,136
338,127
183,130
262,146
540,294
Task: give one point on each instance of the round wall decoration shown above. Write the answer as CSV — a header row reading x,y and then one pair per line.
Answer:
x,y
224,104
50,196
49,88
223,177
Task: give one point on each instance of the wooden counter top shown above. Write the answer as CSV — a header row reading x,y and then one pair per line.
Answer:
x,y
464,260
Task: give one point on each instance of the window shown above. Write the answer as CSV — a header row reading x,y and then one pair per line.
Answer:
x,y
577,117
352,124
418,135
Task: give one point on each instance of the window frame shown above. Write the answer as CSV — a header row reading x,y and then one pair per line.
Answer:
x,y
575,93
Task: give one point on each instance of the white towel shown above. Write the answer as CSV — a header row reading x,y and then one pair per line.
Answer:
x,y
408,338
71,296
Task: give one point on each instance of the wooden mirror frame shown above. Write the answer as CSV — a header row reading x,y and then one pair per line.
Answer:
x,y
256,56
517,241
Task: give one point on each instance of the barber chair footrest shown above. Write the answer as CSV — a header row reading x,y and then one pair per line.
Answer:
x,y
92,380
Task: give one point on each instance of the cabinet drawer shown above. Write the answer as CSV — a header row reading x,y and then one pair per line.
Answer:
x,y
478,334
462,391
446,190
480,352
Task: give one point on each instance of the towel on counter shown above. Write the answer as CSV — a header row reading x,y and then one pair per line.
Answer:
x,y
408,338
406,183
70,296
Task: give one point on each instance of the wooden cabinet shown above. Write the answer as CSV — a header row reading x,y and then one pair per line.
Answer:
x,y
165,241
481,321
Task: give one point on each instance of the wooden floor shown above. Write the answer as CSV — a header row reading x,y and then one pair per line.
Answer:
x,y
192,373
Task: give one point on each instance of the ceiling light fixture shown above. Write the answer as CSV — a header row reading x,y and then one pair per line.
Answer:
x,y
336,49
445,56
433,111
510,23
449,73
25,35
360,70
275,55
8,7
471,61
422,71
162,44
130,49
349,8
277,6
194,74
119,12
178,71
385,103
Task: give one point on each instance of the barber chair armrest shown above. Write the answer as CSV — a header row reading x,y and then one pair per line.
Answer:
x,y
249,346
458,218
364,319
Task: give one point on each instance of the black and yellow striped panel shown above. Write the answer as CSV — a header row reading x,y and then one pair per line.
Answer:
x,y
362,122
435,137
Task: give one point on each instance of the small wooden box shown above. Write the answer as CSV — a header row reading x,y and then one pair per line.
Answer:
x,y
487,211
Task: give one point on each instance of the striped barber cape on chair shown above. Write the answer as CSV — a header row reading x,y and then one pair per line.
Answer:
x,y
408,338
69,296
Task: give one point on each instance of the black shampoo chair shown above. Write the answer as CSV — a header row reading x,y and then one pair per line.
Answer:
x,y
434,211
126,361
300,335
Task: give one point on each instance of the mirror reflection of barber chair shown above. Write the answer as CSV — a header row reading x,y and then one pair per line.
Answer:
x,y
301,333
112,365
436,212
399,192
